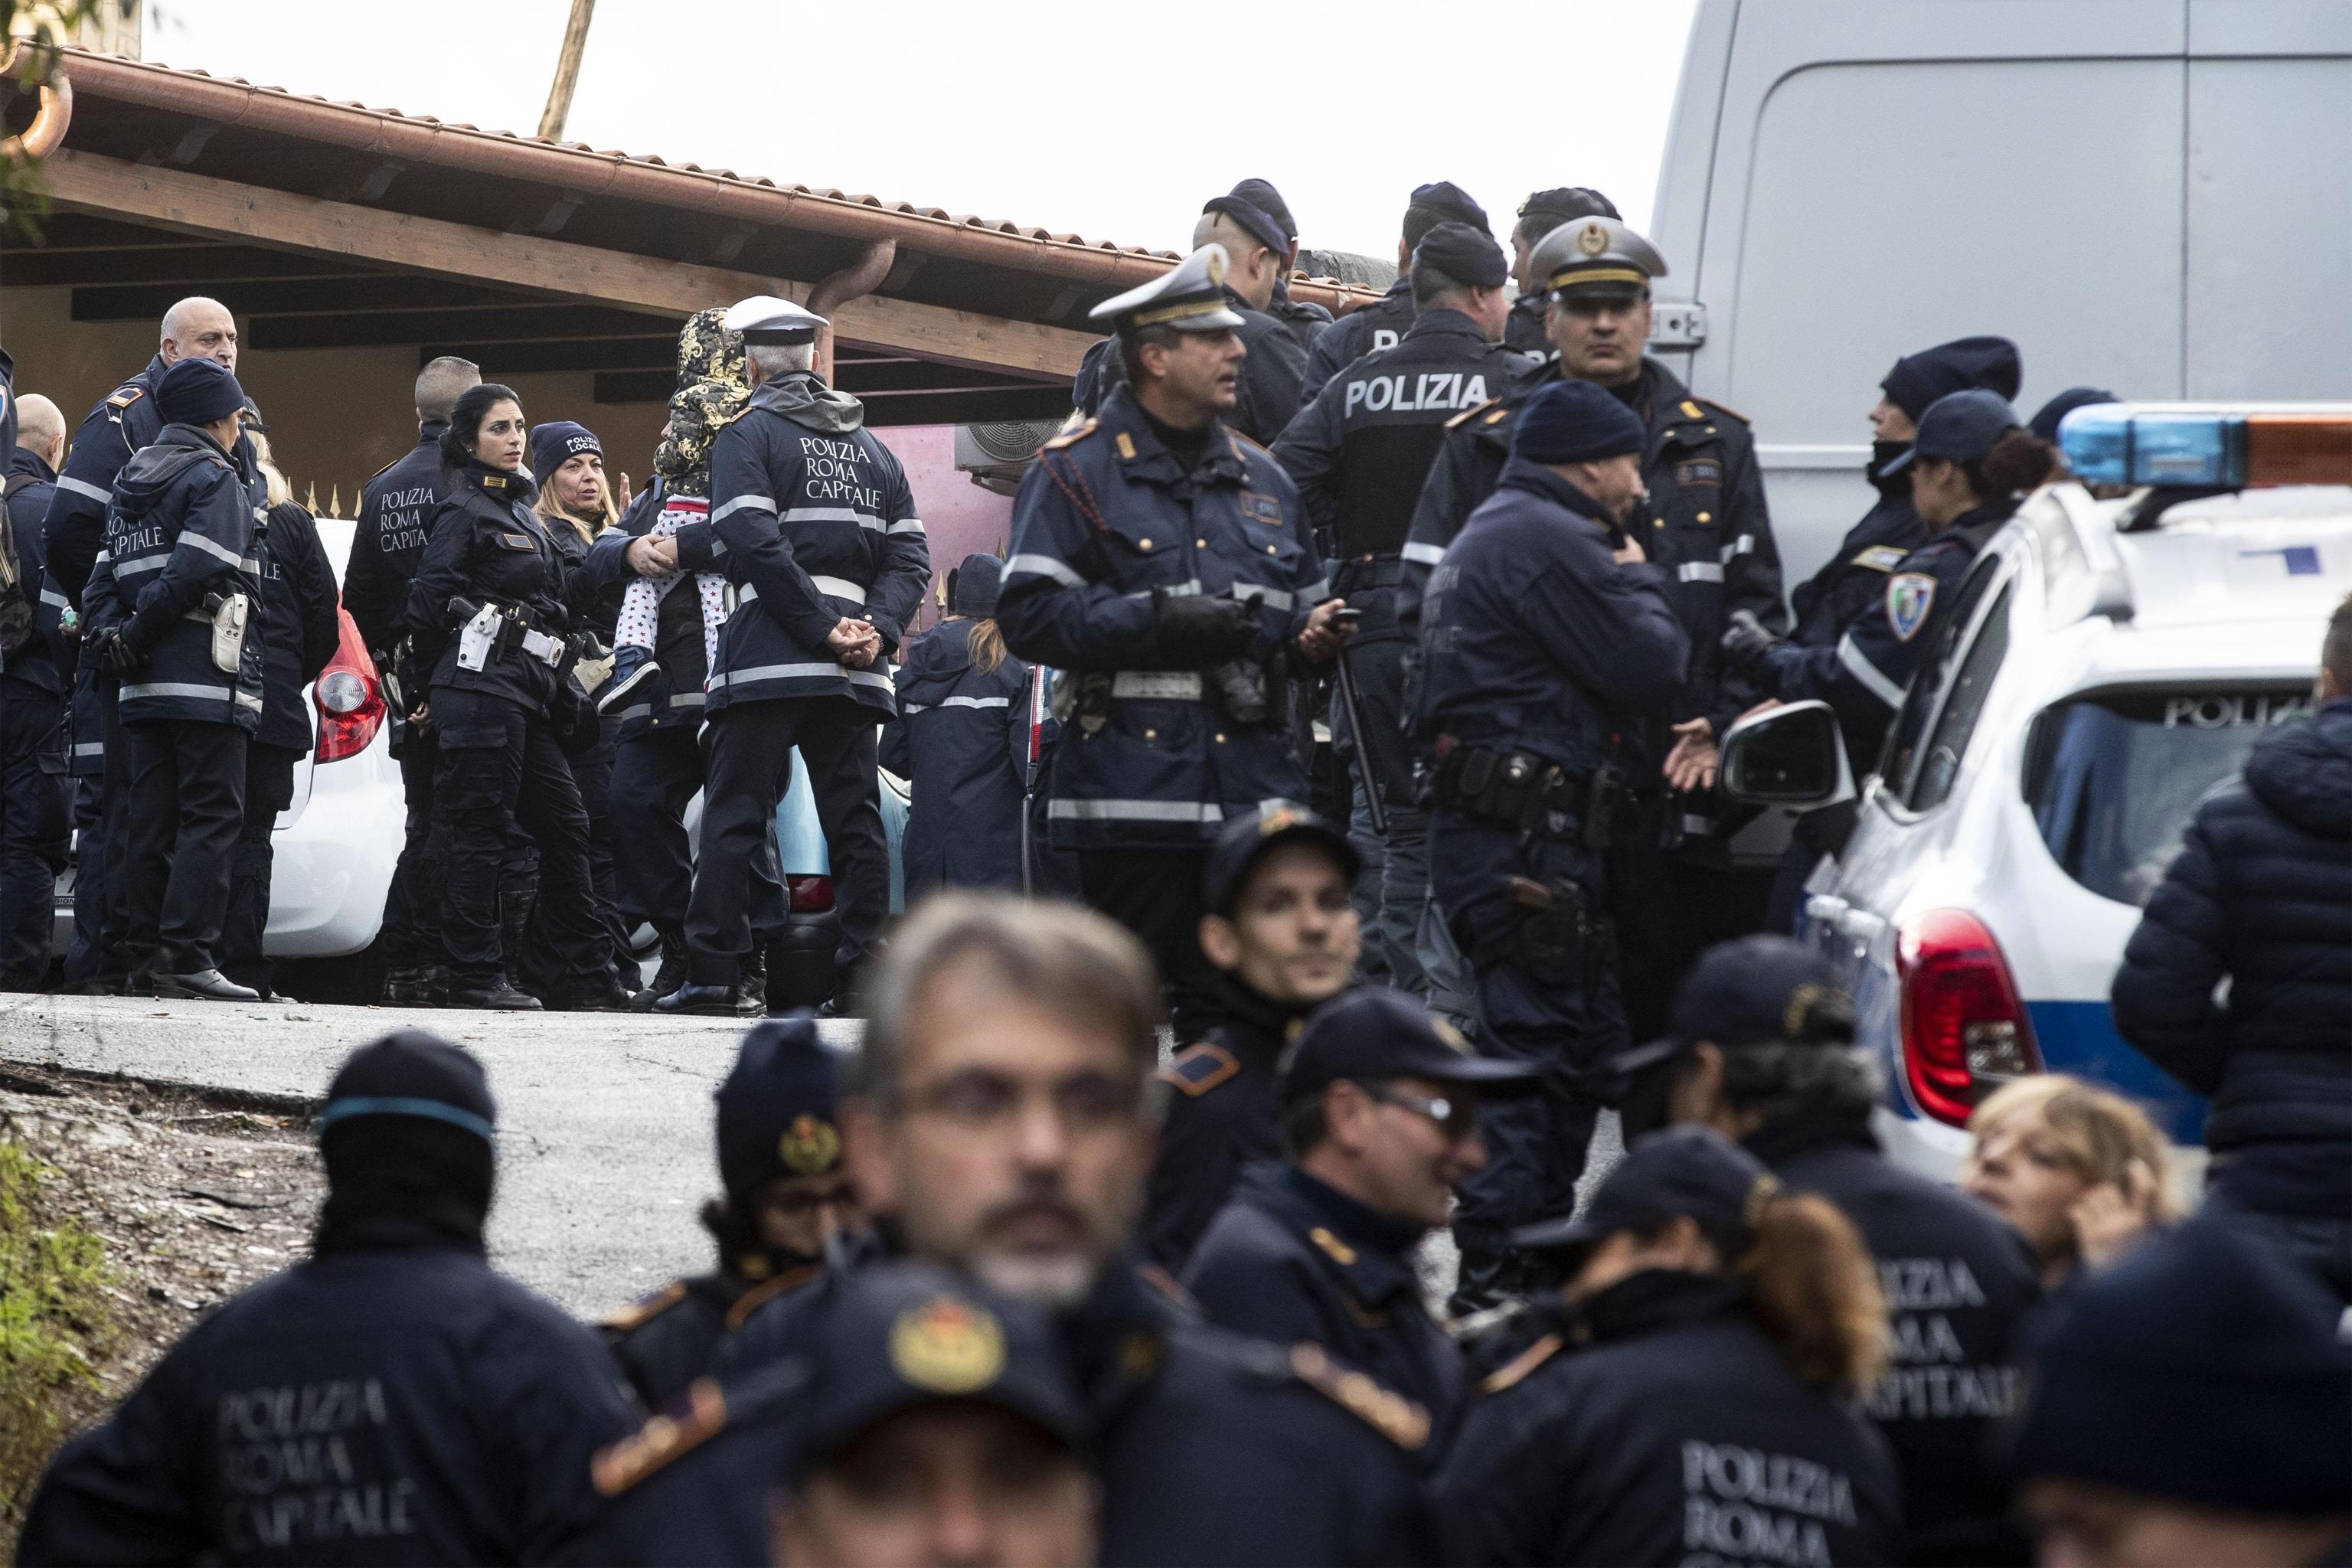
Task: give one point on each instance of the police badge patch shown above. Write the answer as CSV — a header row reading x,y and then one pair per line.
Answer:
x,y
1908,599
1261,508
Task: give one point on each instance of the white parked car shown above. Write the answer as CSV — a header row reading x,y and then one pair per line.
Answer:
x,y
2105,666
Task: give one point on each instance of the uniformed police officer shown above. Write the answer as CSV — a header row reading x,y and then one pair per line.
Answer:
x,y
817,533
1541,213
186,646
1161,563
1380,1108
1285,939
1969,464
1705,528
1763,1051
35,810
1546,633
1384,324
1306,321
1682,1405
487,617
786,1209
74,534
391,1398
1359,454
397,506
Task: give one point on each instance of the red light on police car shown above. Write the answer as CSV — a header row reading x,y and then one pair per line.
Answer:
x,y
1962,1021
2298,449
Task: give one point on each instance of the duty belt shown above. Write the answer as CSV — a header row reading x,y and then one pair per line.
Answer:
x,y
1158,685
1526,794
1363,571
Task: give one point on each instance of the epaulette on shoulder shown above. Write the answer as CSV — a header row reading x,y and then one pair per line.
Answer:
x,y
1467,415
767,1290
1723,408
1070,435
1197,1070
1393,1416
645,1309
124,397
1241,441
663,1438
380,472
1519,1365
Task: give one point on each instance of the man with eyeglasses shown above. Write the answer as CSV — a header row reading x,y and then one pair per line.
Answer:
x,y
1380,1109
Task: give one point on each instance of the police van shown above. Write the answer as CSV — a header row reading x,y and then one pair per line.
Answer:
x,y
2105,666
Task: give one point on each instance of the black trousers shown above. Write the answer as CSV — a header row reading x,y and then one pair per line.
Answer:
x,y
36,828
593,771
268,790
655,776
103,832
187,807
750,767
502,767
412,908
1156,894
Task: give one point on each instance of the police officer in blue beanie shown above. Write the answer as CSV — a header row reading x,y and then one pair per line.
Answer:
x,y
2192,1408
788,1209
391,1398
1384,324
182,634
1546,635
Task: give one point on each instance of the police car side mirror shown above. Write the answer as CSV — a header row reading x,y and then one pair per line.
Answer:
x,y
1790,755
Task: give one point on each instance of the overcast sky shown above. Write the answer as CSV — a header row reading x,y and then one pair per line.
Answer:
x,y
1112,120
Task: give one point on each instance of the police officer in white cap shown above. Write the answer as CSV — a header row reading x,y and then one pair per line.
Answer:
x,y
827,561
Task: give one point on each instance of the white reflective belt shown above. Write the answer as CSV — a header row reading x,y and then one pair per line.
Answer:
x,y
835,514
1424,554
1275,598
977,701
686,699
138,564
84,487
1157,685
1738,548
210,547
1700,571
763,503
1043,566
178,689
1859,666
1184,590
1135,811
840,588
907,525
762,673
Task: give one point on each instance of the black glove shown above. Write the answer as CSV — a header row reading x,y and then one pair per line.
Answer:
x,y
114,653
1747,642
1194,629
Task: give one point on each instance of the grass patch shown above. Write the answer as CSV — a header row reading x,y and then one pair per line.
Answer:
x,y
55,1319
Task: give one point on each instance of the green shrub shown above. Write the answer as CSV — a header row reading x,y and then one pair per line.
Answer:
x,y
54,1319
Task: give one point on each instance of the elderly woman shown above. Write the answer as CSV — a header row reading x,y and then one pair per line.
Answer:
x,y
2079,1171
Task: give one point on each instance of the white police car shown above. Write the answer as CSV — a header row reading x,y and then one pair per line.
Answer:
x,y
2105,664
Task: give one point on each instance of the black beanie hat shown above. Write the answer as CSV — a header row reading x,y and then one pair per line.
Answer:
x,y
406,1137
973,586
2045,423
1450,202
1918,380
198,392
2200,1369
1465,254
1576,422
1566,204
1258,207
412,1073
779,1109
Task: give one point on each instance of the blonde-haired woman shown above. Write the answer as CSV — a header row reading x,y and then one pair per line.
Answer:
x,y
2080,1171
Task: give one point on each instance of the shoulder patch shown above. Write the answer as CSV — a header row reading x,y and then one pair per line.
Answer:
x,y
1338,1251
385,469
1909,596
1722,409
615,1469
1197,1070
1126,444
1070,436
1880,558
124,397
1467,415
646,1309
760,1294
1497,417
1243,446
1393,1416
1519,1365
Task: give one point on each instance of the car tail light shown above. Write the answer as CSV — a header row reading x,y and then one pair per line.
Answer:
x,y
1963,1027
809,895
350,709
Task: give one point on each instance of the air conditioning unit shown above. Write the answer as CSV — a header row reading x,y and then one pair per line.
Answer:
x,y
996,455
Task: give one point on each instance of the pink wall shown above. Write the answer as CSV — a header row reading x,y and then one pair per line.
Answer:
x,y
959,518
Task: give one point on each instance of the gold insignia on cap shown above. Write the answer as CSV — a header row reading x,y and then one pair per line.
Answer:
x,y
1341,1253
1801,1002
947,1346
809,1146
1451,1035
1592,239
1760,1191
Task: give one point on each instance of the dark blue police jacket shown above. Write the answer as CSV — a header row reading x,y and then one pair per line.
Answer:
x,y
402,1405
123,421
1676,1435
487,547
1381,324
672,699
1290,1260
1106,516
1221,1119
302,630
33,661
1533,637
397,507
1854,577
181,527
961,740
815,522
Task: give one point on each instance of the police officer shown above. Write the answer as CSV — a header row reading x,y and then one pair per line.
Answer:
x,y
397,507
1540,214
1384,324
36,822
828,563
1380,1109
1970,464
300,632
1682,1407
1359,454
1546,633
1285,939
1159,560
390,1398
74,534
1763,1051
487,616
1304,322
186,646
1705,528
786,1210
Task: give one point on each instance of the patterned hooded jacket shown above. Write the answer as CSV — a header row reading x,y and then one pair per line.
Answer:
x,y
711,391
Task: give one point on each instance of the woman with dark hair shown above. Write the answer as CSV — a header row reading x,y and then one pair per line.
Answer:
x,y
1686,1394
489,617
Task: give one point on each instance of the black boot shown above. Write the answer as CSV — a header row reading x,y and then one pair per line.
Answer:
x,y
611,997
700,1002
668,977
1491,1274
751,985
497,995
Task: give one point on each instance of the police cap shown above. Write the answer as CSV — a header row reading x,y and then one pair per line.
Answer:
x,y
1373,1033
1959,427
1190,298
898,1336
1258,207
1594,253
1688,1172
1247,839
1761,989
1467,255
779,1109
764,318
412,1073
1563,202
1449,203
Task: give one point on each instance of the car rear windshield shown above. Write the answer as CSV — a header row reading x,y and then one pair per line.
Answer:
x,y
2114,777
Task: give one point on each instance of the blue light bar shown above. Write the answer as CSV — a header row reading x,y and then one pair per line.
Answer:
x,y
2125,444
